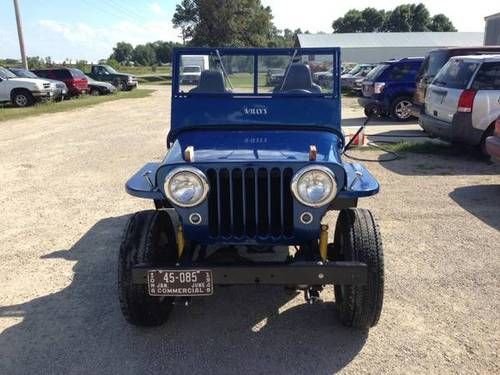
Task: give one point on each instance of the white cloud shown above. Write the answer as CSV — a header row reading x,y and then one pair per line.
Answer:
x,y
156,8
64,40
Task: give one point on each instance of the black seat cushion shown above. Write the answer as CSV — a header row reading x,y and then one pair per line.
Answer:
x,y
211,81
299,78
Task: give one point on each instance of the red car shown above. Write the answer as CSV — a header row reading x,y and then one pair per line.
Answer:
x,y
73,78
493,142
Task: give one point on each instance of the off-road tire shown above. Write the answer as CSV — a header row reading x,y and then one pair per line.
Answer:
x,y
22,98
149,238
394,108
357,238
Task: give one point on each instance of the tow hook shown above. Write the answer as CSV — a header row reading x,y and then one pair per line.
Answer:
x,y
311,296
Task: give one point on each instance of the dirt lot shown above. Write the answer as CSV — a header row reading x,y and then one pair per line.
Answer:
x,y
63,211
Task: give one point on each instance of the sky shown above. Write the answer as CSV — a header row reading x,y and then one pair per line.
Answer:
x,y
88,29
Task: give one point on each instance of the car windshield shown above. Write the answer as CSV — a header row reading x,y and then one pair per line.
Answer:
x,y
289,72
23,73
4,73
110,69
356,69
456,74
191,69
376,72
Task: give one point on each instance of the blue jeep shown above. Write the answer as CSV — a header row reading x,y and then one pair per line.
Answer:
x,y
250,172
388,89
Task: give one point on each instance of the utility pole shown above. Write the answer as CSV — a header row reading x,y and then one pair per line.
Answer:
x,y
20,35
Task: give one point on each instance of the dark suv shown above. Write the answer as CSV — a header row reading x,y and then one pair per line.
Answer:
x,y
74,79
388,89
433,63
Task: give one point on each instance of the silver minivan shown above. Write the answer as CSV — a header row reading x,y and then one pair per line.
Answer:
x,y
463,101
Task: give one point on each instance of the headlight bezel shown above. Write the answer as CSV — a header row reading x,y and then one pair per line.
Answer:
x,y
198,174
296,178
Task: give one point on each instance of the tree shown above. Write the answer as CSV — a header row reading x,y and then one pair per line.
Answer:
x,y
441,23
405,17
144,54
185,18
243,23
122,52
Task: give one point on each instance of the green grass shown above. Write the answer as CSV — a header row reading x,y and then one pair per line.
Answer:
x,y
146,70
8,112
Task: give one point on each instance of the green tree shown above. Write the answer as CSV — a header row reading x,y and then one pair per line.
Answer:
x,y
244,23
185,18
111,62
81,64
144,54
35,62
122,52
441,23
405,17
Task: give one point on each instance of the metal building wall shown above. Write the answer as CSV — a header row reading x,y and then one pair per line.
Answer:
x,y
378,54
492,32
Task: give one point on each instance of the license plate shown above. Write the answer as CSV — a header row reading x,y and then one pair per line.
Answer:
x,y
178,283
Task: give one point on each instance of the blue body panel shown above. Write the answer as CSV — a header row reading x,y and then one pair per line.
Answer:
x,y
239,134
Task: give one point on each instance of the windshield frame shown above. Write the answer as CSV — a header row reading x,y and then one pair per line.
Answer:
x,y
256,53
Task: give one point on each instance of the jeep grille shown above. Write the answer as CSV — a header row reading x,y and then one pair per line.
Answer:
x,y
250,203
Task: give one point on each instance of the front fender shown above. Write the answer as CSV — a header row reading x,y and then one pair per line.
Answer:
x,y
139,186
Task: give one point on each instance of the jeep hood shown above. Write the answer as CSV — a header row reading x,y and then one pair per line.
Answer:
x,y
215,146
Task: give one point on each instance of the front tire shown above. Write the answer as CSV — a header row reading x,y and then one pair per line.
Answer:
x,y
22,98
95,92
149,238
357,238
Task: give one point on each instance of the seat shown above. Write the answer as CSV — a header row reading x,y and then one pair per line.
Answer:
x,y
211,81
298,79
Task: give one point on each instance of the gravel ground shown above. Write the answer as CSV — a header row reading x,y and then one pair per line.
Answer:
x,y
63,211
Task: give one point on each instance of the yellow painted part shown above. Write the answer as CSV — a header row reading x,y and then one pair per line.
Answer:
x,y
323,242
180,241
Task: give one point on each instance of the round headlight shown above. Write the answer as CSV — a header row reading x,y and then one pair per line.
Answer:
x,y
186,187
314,186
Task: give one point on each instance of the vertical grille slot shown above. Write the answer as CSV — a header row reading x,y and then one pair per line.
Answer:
x,y
275,203
250,215
237,202
287,203
224,203
262,203
250,203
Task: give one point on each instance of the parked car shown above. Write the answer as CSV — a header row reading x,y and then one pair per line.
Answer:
x,y
389,88
274,76
105,73
323,78
247,176
74,79
493,143
100,88
359,71
433,63
23,92
463,101
61,90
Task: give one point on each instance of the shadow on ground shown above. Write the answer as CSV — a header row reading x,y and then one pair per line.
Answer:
x,y
482,201
238,330
377,121
435,159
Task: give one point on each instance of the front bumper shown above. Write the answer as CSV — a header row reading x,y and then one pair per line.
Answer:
x,y
43,95
300,273
367,102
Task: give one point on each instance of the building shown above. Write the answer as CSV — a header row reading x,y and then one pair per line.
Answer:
x,y
492,30
376,47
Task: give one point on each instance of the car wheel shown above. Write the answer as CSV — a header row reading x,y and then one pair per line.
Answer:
x,y
357,238
482,145
401,109
120,86
22,98
149,238
95,92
